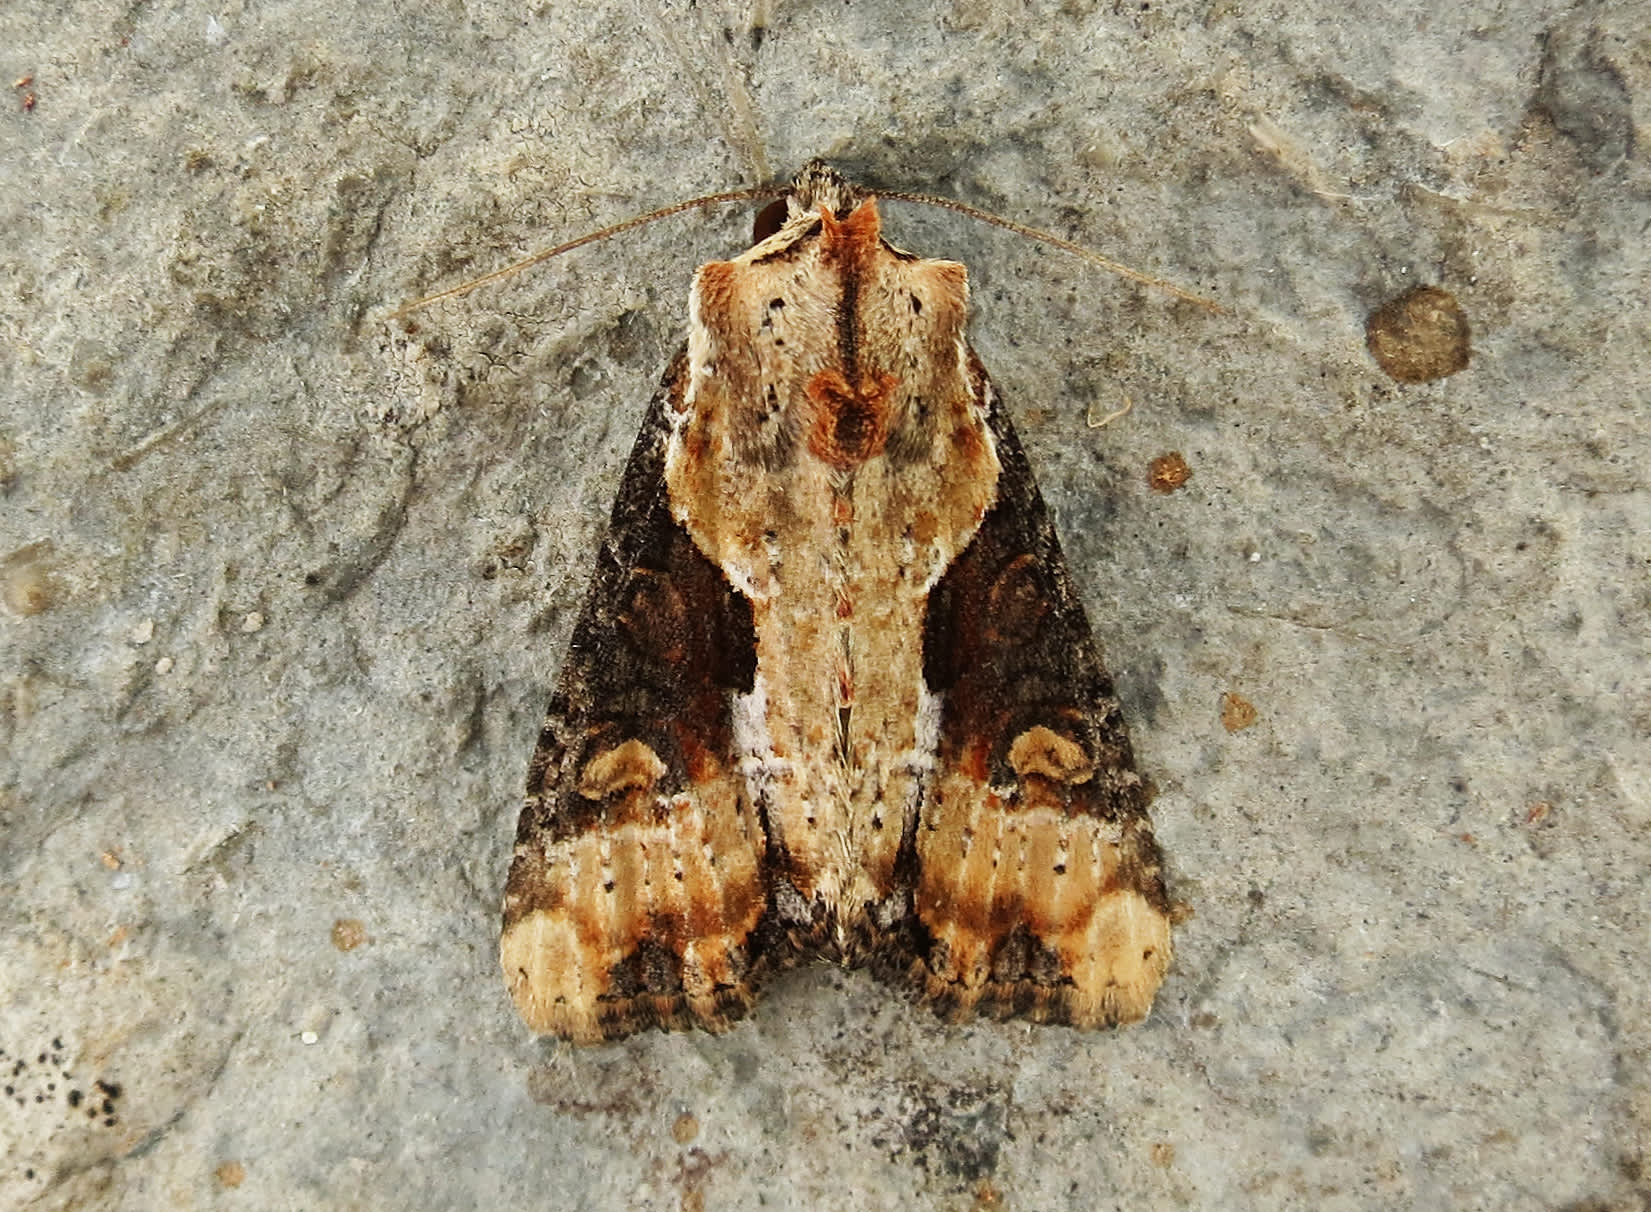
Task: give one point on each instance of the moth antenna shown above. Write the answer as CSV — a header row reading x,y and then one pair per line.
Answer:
x,y
664,212
1077,250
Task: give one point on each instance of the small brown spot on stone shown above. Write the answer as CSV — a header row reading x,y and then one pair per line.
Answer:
x,y
230,1174
1237,712
1168,472
1419,336
29,584
685,1129
348,933
1163,1154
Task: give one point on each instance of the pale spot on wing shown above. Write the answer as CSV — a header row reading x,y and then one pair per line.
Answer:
x,y
1046,753
545,968
1120,962
631,766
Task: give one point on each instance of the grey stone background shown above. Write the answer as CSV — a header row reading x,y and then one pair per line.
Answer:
x,y
283,589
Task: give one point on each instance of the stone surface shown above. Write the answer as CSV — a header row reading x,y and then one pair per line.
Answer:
x,y
283,589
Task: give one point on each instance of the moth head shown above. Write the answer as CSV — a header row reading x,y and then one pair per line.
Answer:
x,y
817,185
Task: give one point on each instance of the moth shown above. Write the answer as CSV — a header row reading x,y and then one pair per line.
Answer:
x,y
833,693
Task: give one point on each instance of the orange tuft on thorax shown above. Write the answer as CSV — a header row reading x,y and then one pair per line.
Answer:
x,y
852,241
849,423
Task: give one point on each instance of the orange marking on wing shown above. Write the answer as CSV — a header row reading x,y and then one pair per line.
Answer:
x,y
975,763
